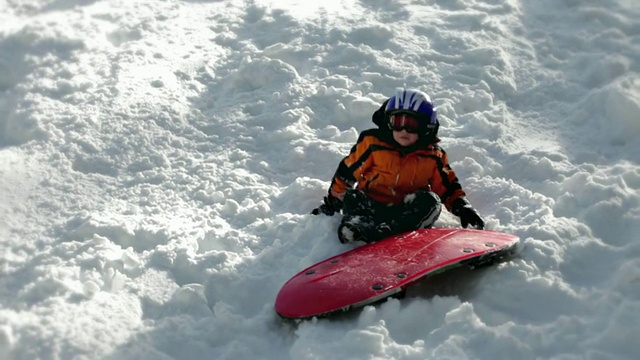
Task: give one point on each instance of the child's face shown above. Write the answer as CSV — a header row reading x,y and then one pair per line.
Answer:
x,y
405,128
405,138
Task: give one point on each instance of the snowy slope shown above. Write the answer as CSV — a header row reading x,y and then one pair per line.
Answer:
x,y
159,160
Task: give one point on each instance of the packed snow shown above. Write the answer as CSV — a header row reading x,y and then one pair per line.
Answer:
x,y
159,161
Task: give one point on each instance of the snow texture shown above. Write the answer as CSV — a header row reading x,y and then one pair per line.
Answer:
x,y
159,160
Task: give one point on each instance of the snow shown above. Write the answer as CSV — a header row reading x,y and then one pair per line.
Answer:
x,y
159,160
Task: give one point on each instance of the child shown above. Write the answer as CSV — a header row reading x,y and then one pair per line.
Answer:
x,y
396,177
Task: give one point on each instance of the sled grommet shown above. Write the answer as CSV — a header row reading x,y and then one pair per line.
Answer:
x,y
467,250
490,245
377,287
309,272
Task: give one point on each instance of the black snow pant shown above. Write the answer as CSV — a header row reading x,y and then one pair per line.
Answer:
x,y
368,220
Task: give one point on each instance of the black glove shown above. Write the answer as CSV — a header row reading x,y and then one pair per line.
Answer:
x,y
468,215
330,206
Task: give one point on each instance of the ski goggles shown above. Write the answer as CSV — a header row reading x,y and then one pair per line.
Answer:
x,y
403,121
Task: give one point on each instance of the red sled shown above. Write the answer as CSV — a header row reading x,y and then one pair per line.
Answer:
x,y
375,271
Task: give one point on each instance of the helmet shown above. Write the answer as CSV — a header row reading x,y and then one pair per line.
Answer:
x,y
417,104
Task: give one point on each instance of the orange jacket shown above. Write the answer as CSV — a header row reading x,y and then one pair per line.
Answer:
x,y
387,173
